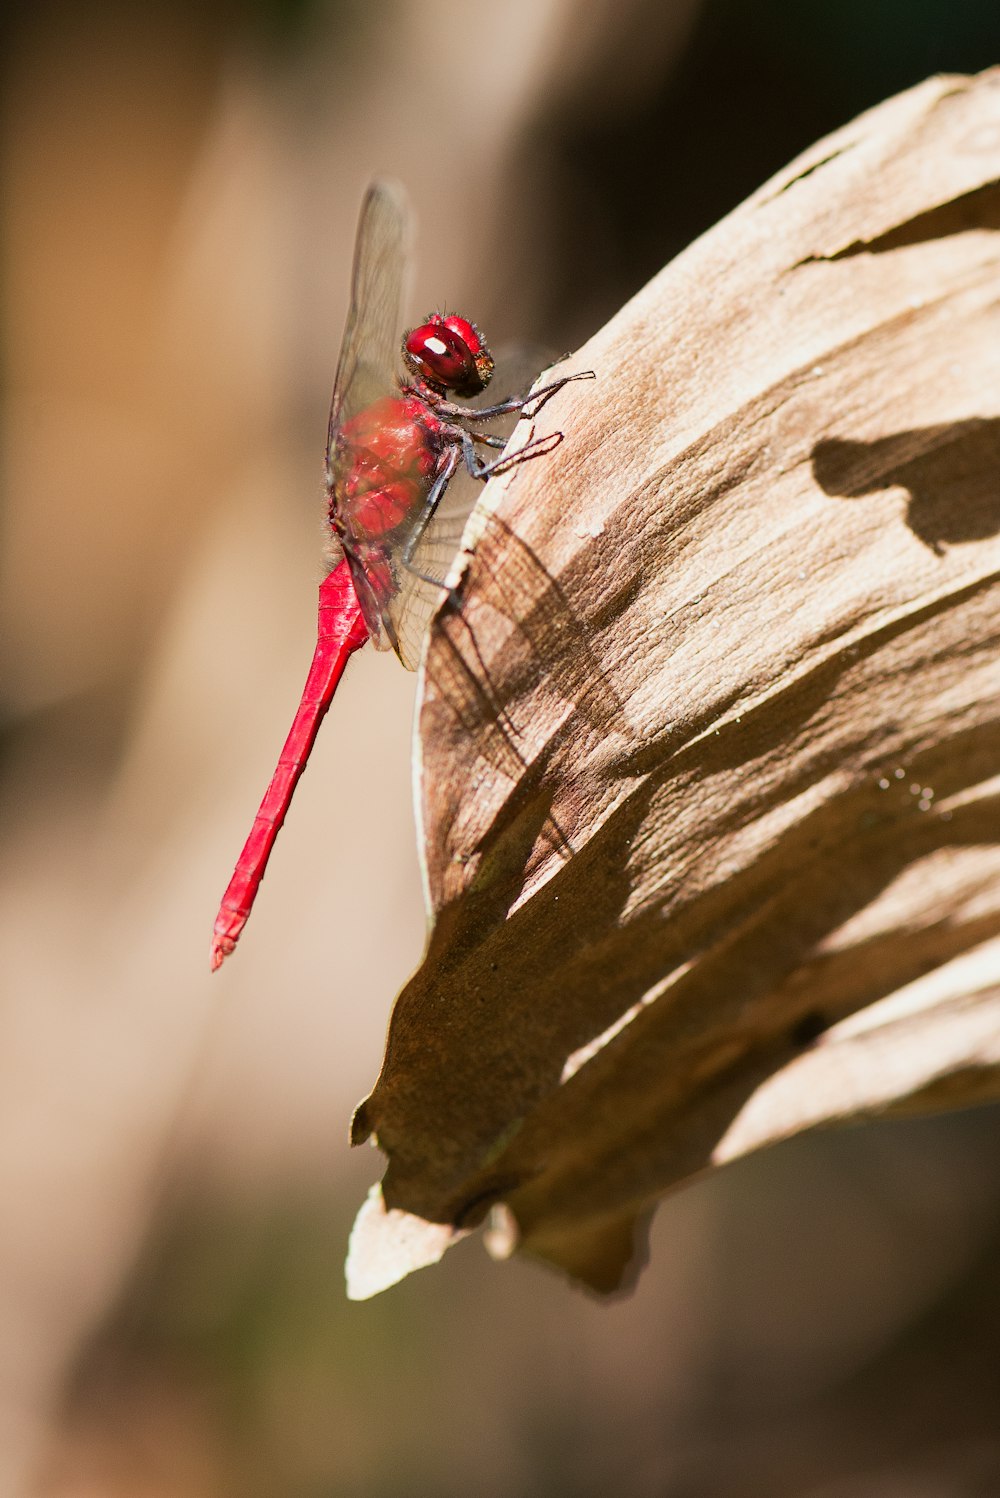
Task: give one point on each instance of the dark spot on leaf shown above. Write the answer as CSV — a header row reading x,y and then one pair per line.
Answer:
x,y
807,1028
952,472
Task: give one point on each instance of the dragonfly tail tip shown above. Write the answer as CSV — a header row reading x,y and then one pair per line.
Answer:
x,y
223,945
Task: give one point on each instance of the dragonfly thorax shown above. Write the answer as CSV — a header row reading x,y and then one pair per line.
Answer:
x,y
383,466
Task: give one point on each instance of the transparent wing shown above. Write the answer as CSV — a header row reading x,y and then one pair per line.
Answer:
x,y
370,350
411,608
420,589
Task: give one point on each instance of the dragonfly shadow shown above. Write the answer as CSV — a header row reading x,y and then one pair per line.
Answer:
x,y
952,472
551,639
545,659
548,644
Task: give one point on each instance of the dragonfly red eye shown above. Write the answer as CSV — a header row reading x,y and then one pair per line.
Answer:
x,y
449,353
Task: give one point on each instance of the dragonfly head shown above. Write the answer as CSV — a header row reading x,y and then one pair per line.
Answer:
x,y
450,354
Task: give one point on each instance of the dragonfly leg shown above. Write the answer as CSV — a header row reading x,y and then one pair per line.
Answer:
x,y
484,468
529,404
532,404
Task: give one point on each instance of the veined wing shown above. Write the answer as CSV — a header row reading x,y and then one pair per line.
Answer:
x,y
419,593
370,350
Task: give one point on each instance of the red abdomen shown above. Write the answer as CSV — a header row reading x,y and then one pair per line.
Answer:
x,y
383,467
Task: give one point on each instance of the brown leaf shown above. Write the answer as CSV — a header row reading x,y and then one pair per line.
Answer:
x,y
709,736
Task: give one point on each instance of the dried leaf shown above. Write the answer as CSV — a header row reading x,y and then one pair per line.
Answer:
x,y
710,775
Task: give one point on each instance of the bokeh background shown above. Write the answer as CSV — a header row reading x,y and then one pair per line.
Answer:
x,y
181,185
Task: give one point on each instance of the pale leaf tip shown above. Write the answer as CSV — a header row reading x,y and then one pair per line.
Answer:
x,y
386,1245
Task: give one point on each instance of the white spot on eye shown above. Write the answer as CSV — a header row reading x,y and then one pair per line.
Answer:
x,y
435,346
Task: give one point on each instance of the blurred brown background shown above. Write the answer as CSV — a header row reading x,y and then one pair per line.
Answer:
x,y
181,186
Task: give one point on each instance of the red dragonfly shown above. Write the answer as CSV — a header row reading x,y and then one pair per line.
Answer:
x,y
393,445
